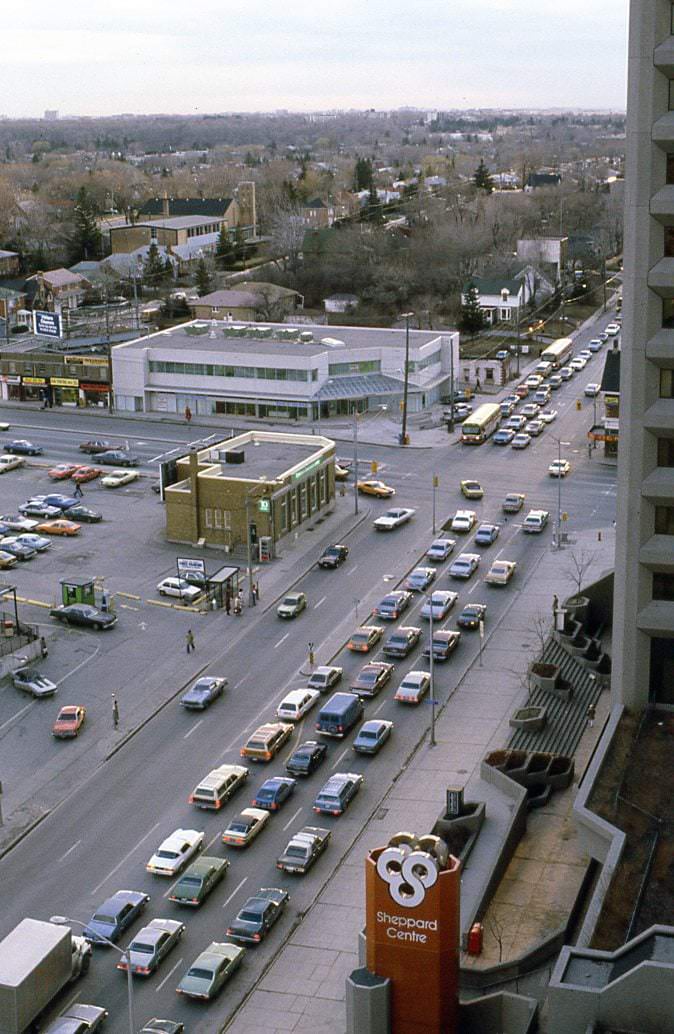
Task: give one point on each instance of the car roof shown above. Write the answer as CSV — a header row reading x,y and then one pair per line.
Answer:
x,y
296,696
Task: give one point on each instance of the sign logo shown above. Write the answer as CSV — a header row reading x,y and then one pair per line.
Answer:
x,y
409,873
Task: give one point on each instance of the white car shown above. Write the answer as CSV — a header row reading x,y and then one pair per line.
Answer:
x,y
413,687
245,826
595,345
535,521
613,329
465,565
174,853
586,354
440,549
10,463
179,588
520,441
592,390
441,601
500,572
559,468
548,415
566,373
463,520
533,380
394,518
296,704
578,363
119,477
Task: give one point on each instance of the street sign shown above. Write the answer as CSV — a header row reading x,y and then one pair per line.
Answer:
x,y
436,481
482,630
47,324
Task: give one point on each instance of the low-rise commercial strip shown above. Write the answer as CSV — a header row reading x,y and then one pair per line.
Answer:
x,y
278,371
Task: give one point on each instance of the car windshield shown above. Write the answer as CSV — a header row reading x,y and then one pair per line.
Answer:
x,y
163,853
239,827
360,637
368,676
290,601
319,679
264,795
199,973
295,852
99,917
145,949
401,638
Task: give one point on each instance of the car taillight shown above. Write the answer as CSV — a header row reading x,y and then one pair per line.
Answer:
x,y
257,937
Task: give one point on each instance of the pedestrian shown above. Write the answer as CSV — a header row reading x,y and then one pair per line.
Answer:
x,y
78,493
228,603
188,414
589,450
189,641
115,711
591,714
555,604
253,593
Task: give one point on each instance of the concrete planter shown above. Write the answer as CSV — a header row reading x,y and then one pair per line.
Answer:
x,y
531,719
563,690
577,607
560,772
544,676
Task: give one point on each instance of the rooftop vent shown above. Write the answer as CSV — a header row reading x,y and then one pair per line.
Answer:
x,y
332,342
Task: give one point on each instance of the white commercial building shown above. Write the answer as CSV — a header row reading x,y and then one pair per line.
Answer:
x,y
276,371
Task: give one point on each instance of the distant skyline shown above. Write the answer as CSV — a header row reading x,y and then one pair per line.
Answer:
x,y
260,55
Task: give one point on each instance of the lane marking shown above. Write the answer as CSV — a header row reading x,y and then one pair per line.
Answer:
x,y
474,587
339,759
168,975
194,727
282,640
17,715
352,570
240,682
77,667
70,850
499,553
320,602
290,821
235,891
125,858
381,706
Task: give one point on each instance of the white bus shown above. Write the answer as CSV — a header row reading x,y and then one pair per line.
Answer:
x,y
477,427
558,353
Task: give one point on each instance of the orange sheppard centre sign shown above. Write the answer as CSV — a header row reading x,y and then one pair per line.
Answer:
x,y
412,931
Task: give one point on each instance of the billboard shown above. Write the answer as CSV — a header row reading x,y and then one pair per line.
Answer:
x,y
412,931
187,565
47,324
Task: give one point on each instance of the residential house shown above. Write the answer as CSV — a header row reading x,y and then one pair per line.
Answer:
x,y
58,289
536,180
235,213
248,301
10,263
502,299
10,303
316,213
341,303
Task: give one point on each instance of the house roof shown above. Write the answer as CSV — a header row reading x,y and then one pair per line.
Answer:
x,y
194,245
59,278
610,381
174,222
543,179
85,267
488,285
8,254
187,206
248,296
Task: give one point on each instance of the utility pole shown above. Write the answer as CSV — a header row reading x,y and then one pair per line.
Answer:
x,y
355,458
603,281
249,553
403,433
435,486
432,672
451,388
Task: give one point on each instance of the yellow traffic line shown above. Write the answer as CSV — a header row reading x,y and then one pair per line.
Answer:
x,y
175,606
126,606
33,603
127,595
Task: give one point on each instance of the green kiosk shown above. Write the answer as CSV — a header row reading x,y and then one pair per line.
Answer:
x,y
78,590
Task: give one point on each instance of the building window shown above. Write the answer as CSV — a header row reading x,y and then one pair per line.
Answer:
x,y
664,520
667,384
666,452
663,586
670,168
489,374
669,241
293,508
668,312
313,494
303,499
217,519
227,520
208,517
284,513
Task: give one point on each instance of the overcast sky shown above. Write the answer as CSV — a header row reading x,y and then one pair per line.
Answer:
x,y
93,57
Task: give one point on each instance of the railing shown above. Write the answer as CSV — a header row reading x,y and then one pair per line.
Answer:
x,y
26,634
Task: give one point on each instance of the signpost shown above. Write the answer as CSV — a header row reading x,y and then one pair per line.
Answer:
x,y
187,565
47,324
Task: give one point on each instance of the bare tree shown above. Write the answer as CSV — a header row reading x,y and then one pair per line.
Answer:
x,y
287,234
496,926
579,565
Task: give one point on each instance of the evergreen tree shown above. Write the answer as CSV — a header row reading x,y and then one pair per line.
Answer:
x,y
482,178
154,269
363,176
472,317
202,278
85,240
224,251
373,211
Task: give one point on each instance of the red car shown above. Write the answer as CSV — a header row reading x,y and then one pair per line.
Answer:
x,y
69,721
86,474
63,471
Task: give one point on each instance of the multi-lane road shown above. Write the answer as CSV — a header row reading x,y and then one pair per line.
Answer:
x,y
99,840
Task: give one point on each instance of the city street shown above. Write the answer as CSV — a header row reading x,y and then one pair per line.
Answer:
x,y
118,810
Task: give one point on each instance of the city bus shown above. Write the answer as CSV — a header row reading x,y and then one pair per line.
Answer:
x,y
477,427
558,353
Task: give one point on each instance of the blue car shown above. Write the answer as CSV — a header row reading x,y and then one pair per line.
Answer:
x,y
115,916
274,792
486,534
63,502
372,736
504,436
204,691
335,796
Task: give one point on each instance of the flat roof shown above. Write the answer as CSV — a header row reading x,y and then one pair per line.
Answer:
x,y
175,222
268,460
214,339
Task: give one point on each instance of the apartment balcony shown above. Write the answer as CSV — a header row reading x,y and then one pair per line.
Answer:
x,y
662,133
657,554
658,487
663,57
661,275
660,417
662,205
657,619
660,349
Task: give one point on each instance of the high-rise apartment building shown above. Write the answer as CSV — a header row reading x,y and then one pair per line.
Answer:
x,y
643,638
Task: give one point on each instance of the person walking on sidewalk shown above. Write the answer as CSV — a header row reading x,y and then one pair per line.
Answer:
x,y
189,641
78,493
228,603
115,712
591,714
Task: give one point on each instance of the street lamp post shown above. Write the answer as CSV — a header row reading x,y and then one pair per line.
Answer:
x,y
431,667
355,458
403,434
559,490
124,953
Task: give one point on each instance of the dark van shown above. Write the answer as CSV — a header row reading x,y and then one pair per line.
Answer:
x,y
340,714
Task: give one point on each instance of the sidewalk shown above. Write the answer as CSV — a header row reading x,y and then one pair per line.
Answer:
x,y
303,989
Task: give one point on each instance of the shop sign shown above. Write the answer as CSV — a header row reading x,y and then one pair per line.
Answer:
x,y
305,469
34,380
64,382
93,387
6,379
85,360
189,565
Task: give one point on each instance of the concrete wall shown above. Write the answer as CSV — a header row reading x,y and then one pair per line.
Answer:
x,y
501,1013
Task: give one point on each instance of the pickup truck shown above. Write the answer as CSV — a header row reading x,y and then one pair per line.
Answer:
x,y
304,848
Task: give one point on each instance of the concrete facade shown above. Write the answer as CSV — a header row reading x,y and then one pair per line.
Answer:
x,y
276,482
643,630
